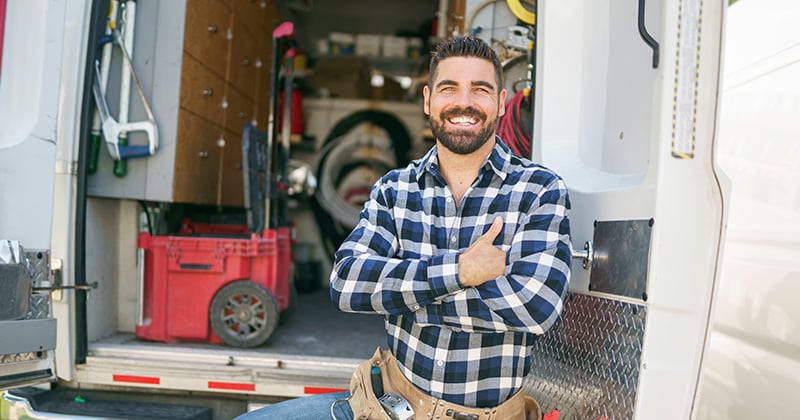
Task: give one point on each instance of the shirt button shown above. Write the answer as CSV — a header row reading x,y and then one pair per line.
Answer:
x,y
453,239
416,307
449,199
439,363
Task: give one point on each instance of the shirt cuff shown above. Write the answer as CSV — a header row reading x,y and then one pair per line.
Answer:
x,y
443,275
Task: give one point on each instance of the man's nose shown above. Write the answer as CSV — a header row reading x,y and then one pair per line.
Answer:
x,y
463,97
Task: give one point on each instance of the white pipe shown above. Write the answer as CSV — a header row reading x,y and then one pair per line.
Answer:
x,y
125,83
441,29
140,255
474,12
105,62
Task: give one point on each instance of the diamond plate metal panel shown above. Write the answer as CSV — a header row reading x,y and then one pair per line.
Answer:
x,y
39,307
39,303
40,265
587,366
21,357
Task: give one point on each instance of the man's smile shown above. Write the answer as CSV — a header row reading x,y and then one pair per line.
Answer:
x,y
463,117
463,120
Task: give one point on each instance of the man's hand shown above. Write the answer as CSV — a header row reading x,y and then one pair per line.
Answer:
x,y
482,261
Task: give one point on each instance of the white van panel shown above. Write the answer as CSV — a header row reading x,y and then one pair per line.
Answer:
x,y
634,144
28,110
754,359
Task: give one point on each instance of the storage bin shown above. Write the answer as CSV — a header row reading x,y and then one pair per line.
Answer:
x,y
183,274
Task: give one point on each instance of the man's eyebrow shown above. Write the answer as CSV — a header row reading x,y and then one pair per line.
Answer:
x,y
448,82
483,83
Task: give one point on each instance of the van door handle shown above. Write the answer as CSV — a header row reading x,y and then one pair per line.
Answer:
x,y
587,255
649,40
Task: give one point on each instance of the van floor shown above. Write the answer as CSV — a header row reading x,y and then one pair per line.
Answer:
x,y
316,328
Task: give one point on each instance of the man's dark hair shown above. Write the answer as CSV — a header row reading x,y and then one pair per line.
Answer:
x,y
465,46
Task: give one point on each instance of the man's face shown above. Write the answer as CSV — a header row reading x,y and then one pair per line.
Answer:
x,y
464,103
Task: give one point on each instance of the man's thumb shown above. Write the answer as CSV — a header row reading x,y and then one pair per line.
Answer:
x,y
494,229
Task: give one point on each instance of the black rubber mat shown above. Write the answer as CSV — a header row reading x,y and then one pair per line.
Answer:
x,y
87,404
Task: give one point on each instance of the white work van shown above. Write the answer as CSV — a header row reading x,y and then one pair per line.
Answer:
x,y
626,105
753,359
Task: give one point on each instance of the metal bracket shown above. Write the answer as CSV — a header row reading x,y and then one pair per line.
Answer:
x,y
587,255
621,257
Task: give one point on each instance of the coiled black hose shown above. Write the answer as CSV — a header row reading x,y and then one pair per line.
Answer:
x,y
333,231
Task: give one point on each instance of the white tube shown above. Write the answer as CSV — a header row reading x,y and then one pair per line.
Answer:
x,y
105,61
125,83
441,29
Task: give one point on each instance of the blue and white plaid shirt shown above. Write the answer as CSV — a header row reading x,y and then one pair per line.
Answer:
x,y
469,346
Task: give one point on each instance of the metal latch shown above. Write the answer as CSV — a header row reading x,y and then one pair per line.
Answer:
x,y
587,255
57,284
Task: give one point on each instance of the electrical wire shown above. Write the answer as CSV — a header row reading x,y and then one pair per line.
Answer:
x,y
474,12
146,209
521,12
515,134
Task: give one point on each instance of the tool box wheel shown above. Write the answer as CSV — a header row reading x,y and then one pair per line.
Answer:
x,y
243,314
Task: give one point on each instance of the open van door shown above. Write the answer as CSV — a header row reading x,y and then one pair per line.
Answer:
x,y
29,168
626,104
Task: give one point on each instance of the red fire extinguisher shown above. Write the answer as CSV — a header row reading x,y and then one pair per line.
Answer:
x,y
298,122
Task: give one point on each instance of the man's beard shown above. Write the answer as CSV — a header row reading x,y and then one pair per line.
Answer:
x,y
460,142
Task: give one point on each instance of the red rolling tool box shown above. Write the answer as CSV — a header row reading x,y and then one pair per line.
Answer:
x,y
222,283
200,288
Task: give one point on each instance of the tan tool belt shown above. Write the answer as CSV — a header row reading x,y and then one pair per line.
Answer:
x,y
365,404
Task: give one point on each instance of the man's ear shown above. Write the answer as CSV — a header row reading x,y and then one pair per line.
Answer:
x,y
501,110
426,100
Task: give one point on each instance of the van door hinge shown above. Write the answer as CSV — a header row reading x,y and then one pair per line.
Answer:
x,y
57,281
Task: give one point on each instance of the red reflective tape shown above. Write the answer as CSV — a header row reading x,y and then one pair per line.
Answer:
x,y
320,390
236,386
153,380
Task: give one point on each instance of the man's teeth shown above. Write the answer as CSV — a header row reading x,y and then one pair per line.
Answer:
x,y
463,120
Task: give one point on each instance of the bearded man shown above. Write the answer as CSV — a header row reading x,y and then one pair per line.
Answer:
x,y
465,252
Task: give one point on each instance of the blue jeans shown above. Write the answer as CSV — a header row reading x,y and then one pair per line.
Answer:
x,y
311,407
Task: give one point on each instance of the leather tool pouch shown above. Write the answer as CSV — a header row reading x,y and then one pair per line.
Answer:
x,y
363,401
365,405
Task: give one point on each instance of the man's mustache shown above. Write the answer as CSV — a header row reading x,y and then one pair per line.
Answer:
x,y
462,112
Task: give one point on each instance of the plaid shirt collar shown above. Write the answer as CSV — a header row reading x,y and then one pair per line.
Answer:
x,y
498,161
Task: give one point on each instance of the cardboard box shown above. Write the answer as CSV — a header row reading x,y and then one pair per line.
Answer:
x,y
415,50
343,76
390,91
395,46
368,45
